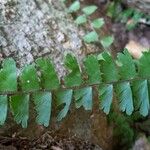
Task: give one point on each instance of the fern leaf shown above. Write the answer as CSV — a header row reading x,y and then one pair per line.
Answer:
x,y
42,101
89,9
124,93
140,90
49,78
91,37
3,108
74,77
98,23
126,65
83,97
63,97
29,79
144,65
20,109
8,76
107,41
75,6
81,19
108,67
92,69
105,97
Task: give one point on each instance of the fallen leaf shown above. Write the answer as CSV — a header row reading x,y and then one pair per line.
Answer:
x,y
135,49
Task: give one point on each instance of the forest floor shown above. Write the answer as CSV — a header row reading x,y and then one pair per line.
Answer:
x,y
48,141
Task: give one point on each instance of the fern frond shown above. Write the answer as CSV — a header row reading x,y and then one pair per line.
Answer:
x,y
39,81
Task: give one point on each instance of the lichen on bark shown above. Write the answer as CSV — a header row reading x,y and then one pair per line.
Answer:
x,y
35,28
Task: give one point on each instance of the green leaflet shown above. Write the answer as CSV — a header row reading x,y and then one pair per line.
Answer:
x,y
29,79
135,19
98,23
105,97
125,15
91,37
92,69
49,79
8,76
3,108
89,10
81,19
20,109
126,65
107,41
42,101
74,77
111,9
124,93
127,71
75,6
144,65
108,67
63,97
83,97
140,91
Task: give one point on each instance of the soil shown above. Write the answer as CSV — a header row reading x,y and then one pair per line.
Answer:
x,y
48,141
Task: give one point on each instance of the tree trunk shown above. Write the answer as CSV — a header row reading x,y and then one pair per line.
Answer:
x,y
42,28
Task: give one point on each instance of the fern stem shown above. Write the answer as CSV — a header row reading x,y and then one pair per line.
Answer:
x,y
9,93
